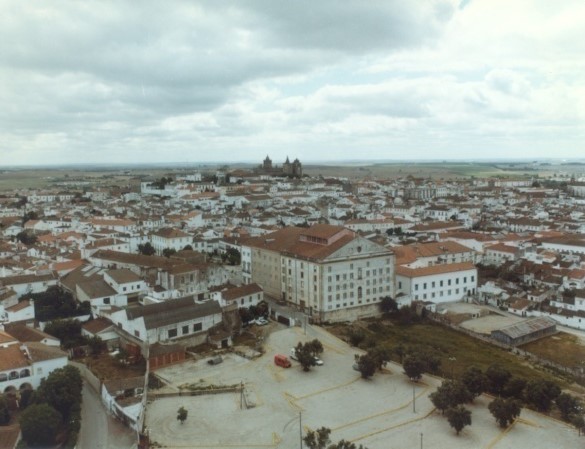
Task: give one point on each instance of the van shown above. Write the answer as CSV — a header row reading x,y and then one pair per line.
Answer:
x,y
282,360
293,354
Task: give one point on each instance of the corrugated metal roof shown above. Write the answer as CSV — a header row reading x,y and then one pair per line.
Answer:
x,y
527,327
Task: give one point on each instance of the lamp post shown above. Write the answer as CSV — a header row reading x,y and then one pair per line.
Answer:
x,y
421,440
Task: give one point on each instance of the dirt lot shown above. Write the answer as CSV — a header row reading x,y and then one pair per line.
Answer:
x,y
377,413
565,349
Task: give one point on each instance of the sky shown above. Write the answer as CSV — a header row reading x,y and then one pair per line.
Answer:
x,y
328,80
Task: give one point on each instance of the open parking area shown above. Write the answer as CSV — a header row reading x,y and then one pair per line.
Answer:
x,y
377,413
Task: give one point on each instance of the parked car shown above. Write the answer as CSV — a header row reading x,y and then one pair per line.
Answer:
x,y
355,366
293,354
215,360
282,360
261,321
318,361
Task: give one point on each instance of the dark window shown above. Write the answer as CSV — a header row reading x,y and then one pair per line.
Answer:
x,y
197,327
185,330
172,333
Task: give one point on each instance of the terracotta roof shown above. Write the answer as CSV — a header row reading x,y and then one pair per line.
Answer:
x,y
97,325
170,233
242,290
20,306
6,338
27,334
434,270
119,385
502,248
12,357
39,352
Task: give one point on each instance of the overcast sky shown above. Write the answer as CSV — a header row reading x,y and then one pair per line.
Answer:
x,y
196,81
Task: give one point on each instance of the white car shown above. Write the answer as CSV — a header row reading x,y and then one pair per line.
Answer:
x,y
318,361
261,321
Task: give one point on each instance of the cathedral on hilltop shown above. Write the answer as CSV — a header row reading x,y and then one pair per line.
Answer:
x,y
293,169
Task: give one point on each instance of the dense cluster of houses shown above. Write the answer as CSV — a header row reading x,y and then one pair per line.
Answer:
x,y
149,257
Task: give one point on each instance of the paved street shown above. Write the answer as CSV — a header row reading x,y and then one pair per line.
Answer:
x,y
98,429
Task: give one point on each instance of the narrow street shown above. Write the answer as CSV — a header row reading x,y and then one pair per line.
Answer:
x,y
98,429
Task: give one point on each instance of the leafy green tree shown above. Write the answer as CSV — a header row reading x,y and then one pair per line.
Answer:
x,y
356,336
188,248
61,390
475,381
26,398
505,411
96,345
541,394
367,365
233,256
305,356
450,393
57,303
318,439
39,425
497,378
514,388
68,331
414,367
342,444
182,414
4,411
316,347
381,355
388,305
579,422
146,249
568,405
27,238
400,351
168,252
458,417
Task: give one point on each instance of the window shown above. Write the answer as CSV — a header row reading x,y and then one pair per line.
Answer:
x,y
106,300
457,281
137,333
425,286
449,282
337,277
472,278
197,327
433,284
172,333
415,287
399,284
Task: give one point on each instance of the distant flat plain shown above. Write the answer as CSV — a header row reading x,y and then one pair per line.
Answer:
x,y
35,178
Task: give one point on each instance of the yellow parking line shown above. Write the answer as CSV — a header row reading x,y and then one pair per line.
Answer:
x,y
324,390
501,435
395,426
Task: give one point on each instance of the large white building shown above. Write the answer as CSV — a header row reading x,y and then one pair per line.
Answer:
x,y
437,283
329,272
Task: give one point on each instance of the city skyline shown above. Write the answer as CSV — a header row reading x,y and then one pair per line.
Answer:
x,y
196,82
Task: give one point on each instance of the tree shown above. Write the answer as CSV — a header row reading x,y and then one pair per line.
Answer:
x,y
61,390
68,331
458,417
305,356
568,405
318,439
26,398
342,444
96,345
182,414
388,305
316,347
56,303
367,365
39,424
146,249
356,336
514,388
4,411
497,378
578,422
505,411
168,252
26,237
541,394
188,248
233,256
475,381
413,367
450,393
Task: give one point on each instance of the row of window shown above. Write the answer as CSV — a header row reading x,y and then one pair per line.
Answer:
x,y
197,327
442,293
351,303
433,284
14,375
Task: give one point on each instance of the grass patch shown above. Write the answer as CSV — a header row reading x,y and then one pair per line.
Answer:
x,y
447,344
561,348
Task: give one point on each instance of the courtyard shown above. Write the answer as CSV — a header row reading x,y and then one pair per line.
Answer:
x,y
378,413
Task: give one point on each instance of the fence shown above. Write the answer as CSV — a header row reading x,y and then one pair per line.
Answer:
x,y
198,392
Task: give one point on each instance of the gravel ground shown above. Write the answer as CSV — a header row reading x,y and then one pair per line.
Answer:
x,y
377,413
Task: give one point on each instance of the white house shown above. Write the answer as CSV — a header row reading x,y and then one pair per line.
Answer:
x,y
437,283
169,238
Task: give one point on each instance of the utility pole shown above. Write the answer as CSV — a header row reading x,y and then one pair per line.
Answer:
x,y
421,440
413,400
300,430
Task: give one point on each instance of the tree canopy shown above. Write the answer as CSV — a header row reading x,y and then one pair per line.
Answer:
x,y
541,394
39,425
458,417
414,367
505,411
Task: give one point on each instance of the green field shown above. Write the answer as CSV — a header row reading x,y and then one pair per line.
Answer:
x,y
449,344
